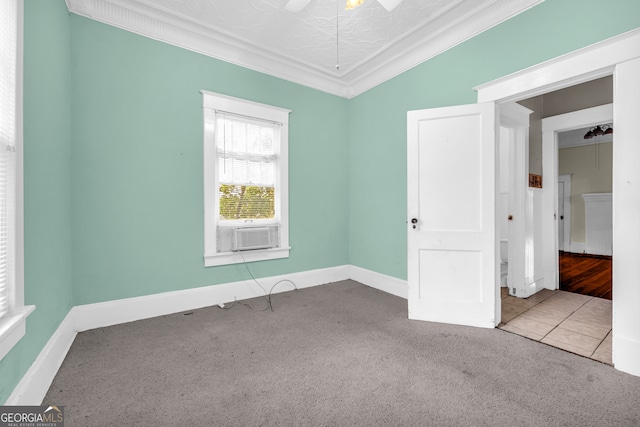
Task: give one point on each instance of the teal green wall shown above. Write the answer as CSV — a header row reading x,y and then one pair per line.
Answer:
x,y
113,155
47,182
137,185
377,130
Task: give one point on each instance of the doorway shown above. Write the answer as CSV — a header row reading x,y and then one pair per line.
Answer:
x,y
585,209
620,57
574,322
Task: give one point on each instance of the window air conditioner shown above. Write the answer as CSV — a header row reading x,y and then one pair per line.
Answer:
x,y
245,239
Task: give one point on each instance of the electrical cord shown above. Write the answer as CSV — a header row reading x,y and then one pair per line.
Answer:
x,y
267,295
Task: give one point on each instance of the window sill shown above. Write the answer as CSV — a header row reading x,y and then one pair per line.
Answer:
x,y
245,256
12,328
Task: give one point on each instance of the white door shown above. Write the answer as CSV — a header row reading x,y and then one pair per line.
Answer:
x,y
514,125
452,246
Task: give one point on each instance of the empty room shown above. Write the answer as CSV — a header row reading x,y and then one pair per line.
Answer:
x,y
314,212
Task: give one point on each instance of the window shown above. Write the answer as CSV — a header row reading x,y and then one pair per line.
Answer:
x,y
245,180
13,313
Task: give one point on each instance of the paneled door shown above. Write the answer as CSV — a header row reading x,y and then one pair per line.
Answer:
x,y
452,247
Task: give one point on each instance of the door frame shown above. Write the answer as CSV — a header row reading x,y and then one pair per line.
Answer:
x,y
618,56
515,118
565,179
551,126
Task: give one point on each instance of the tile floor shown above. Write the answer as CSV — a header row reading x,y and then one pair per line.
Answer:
x,y
577,323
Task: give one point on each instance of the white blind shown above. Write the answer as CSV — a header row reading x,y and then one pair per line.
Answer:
x,y
8,55
246,151
246,160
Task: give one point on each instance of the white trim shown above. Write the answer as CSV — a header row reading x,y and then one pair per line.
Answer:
x,y
34,384
627,354
566,180
382,282
220,104
626,228
13,326
226,258
591,62
515,118
551,126
597,197
619,56
231,104
442,33
575,119
424,45
98,315
578,247
19,178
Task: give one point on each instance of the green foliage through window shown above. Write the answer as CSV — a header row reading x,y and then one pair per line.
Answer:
x,y
246,202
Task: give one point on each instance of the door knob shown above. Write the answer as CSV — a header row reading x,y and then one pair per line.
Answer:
x,y
561,216
414,221
510,217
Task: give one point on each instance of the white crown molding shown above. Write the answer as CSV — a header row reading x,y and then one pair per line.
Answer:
x,y
167,28
446,31
455,25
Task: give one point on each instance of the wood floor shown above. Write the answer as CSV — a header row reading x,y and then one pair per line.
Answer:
x,y
585,274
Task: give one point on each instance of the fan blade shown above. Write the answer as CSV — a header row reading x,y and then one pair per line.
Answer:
x,y
389,4
296,6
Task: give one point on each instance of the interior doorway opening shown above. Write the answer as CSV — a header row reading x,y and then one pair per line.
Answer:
x,y
585,185
570,313
620,57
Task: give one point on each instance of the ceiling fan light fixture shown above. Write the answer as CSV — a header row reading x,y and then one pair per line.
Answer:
x,y
296,6
590,134
390,4
598,131
352,4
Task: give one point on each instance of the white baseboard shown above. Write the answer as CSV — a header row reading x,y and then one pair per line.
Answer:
x,y
99,315
391,285
34,384
626,354
578,247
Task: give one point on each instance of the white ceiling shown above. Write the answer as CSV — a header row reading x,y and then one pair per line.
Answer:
x,y
374,45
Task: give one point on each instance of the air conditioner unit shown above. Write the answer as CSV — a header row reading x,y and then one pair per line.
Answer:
x,y
246,239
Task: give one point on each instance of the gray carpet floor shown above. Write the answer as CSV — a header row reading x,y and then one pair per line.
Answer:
x,y
335,355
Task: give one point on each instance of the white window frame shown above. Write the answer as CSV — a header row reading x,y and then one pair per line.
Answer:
x,y
13,324
254,110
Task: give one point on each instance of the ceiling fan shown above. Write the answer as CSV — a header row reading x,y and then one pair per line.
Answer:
x,y
297,5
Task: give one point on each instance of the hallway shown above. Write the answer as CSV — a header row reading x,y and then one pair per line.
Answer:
x,y
580,324
585,274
